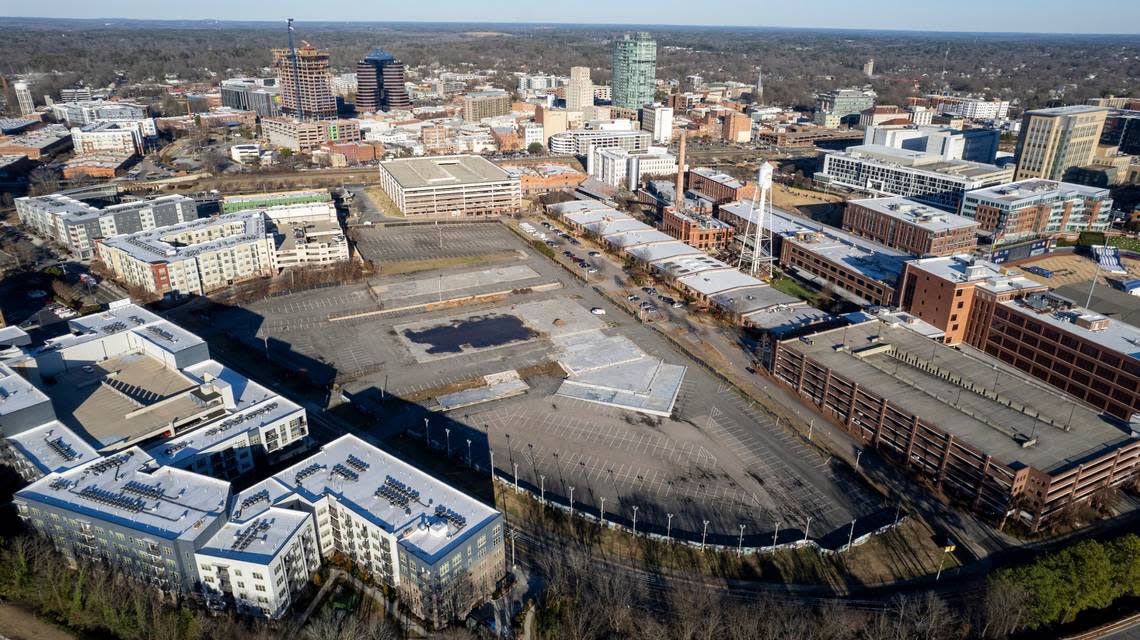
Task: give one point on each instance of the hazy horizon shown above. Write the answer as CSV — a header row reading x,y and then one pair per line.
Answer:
x,y
1045,17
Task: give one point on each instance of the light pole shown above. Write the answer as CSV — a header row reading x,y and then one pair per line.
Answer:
x,y
806,527
447,434
851,535
945,552
602,512
858,455
811,427
427,434
704,534
898,511
740,540
776,534
571,502
516,465
669,527
469,452
635,519
492,462
542,490
514,537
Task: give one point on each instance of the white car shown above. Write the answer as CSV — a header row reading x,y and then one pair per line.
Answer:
x,y
598,311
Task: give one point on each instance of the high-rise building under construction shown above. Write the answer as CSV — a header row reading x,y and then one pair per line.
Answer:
x,y
303,75
380,83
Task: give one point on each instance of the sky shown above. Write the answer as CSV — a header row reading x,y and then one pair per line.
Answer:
x,y
1044,16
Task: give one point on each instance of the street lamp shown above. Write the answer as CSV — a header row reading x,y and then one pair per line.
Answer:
x,y
469,452
635,519
858,455
492,451
571,502
704,534
851,535
669,527
776,534
542,490
806,528
740,540
447,434
602,512
516,465
427,434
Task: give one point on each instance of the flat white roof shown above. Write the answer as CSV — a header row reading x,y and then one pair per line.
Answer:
x,y
913,212
688,265
52,447
650,253
16,393
122,317
708,283
590,216
639,237
258,540
130,489
606,227
428,516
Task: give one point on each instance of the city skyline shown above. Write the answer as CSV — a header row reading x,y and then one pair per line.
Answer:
x,y
1104,17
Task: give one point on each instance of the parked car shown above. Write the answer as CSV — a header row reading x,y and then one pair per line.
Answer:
x,y
633,298
598,311
595,254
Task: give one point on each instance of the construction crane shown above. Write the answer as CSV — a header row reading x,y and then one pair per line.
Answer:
x,y
296,73
757,256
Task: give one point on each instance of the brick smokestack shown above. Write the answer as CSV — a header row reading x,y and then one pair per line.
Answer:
x,y
679,203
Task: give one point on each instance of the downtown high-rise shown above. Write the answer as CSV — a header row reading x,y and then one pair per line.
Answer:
x,y
380,83
635,70
306,90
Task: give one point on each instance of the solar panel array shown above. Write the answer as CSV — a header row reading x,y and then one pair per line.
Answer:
x,y
137,320
453,518
397,493
176,447
114,327
153,491
62,449
344,472
60,483
107,464
246,536
356,463
162,333
255,498
112,499
307,472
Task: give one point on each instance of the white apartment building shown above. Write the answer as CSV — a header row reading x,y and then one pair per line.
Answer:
x,y
77,114
244,153
531,133
1034,207
77,225
122,137
307,234
194,257
658,122
928,178
159,515
453,186
581,141
260,564
622,168
971,108
406,529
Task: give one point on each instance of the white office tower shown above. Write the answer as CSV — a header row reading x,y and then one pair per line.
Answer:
x,y
580,90
24,98
756,247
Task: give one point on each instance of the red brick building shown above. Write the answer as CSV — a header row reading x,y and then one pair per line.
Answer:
x,y
698,231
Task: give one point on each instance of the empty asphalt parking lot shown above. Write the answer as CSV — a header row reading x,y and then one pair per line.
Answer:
x,y
717,458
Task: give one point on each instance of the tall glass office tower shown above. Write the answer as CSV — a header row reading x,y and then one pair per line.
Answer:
x,y
635,70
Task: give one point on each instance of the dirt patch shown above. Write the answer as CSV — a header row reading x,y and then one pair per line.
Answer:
x,y
17,624
412,266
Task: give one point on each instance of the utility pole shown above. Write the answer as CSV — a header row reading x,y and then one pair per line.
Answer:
x,y
492,451
571,502
516,465
514,538
542,490
602,512
806,528
858,455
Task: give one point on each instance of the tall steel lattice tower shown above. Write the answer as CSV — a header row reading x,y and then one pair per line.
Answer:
x,y
756,242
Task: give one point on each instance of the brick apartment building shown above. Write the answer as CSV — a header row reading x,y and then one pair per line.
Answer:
x,y
698,231
910,226
719,187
